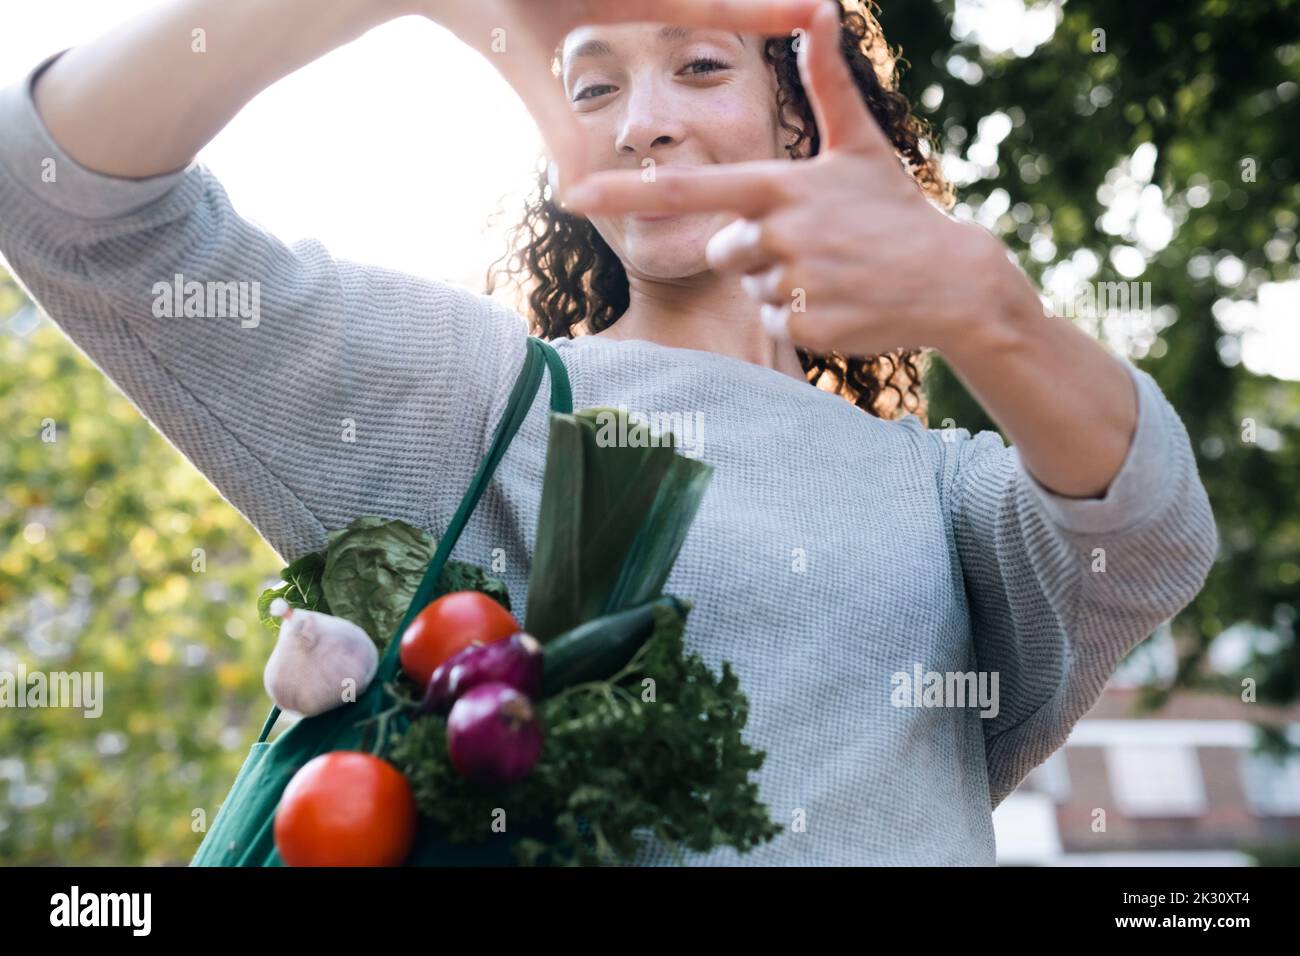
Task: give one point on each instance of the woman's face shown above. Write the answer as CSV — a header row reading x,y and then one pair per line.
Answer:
x,y
680,98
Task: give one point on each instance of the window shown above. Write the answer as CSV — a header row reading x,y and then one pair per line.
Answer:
x,y
1272,784
1156,781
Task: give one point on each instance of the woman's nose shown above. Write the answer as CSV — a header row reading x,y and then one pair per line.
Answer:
x,y
648,124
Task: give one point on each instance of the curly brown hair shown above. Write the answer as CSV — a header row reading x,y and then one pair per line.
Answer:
x,y
573,278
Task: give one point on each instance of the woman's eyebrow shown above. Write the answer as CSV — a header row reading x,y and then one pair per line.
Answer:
x,y
598,48
591,48
682,33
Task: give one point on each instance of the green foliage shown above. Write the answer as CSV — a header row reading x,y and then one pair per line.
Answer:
x,y
615,762
116,557
1276,854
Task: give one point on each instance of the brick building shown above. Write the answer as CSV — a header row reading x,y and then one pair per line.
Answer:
x,y
1183,786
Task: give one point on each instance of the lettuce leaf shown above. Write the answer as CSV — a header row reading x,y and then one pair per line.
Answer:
x,y
368,574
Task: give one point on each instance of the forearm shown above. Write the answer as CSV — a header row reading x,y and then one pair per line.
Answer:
x,y
1067,404
143,100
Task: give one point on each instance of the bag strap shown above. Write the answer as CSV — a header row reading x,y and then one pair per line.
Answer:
x,y
538,355
521,400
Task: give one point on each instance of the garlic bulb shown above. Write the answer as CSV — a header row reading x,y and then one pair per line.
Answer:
x,y
320,662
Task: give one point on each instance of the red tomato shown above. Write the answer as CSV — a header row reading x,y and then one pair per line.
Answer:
x,y
346,808
448,626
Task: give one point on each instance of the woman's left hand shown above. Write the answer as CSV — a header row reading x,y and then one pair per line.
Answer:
x,y
841,252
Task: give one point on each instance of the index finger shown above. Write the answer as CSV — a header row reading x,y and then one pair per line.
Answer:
x,y
750,189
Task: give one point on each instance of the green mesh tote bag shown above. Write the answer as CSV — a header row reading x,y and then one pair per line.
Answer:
x,y
242,833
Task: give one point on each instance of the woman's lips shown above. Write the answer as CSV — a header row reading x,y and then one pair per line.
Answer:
x,y
656,218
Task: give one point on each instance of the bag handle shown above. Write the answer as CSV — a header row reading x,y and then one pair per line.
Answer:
x,y
537,355
521,399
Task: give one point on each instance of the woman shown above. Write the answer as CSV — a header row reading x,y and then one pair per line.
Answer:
x,y
840,557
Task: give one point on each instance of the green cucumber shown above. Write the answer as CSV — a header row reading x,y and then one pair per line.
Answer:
x,y
599,648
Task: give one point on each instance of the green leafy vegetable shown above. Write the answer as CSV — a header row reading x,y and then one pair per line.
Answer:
x,y
372,568
616,506
368,574
616,765
655,548
459,576
300,586
655,748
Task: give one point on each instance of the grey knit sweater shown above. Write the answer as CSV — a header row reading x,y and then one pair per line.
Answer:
x,y
836,557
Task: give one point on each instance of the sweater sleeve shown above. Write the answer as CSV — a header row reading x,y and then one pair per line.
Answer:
x,y
1059,589
303,386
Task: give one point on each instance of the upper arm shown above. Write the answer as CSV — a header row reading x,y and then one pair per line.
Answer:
x,y
338,384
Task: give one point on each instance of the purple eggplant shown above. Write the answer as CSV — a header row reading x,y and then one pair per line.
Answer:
x,y
516,661
493,735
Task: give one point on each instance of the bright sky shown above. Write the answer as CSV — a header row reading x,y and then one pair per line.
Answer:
x,y
398,148
394,149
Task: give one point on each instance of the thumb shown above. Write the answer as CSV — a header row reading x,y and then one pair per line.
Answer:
x,y
843,120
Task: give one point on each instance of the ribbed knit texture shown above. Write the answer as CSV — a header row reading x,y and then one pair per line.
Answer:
x,y
832,550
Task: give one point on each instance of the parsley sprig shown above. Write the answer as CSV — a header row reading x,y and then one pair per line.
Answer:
x,y
655,750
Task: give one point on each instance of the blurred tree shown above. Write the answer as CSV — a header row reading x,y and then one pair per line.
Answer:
x,y
1111,142
115,557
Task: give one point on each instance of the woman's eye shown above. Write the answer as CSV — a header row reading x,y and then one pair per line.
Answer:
x,y
704,64
588,92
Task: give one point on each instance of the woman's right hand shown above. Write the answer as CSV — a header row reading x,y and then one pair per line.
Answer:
x,y
520,38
